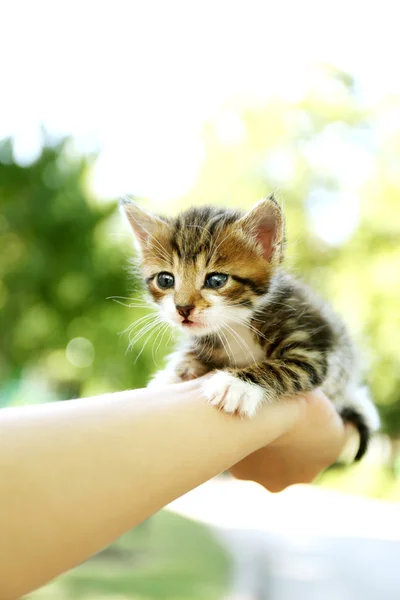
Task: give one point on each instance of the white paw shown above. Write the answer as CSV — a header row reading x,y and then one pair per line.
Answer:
x,y
166,377
233,395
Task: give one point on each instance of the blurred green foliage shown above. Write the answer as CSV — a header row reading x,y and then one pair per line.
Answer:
x,y
63,252
61,258
166,558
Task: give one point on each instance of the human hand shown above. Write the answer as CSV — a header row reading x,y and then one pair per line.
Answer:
x,y
310,446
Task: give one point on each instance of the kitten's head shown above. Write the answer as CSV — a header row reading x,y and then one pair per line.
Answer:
x,y
208,267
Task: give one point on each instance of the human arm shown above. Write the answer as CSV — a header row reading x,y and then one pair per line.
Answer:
x,y
75,475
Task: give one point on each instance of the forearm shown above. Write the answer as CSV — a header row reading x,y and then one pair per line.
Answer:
x,y
75,475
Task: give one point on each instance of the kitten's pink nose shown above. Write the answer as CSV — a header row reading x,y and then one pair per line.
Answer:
x,y
185,311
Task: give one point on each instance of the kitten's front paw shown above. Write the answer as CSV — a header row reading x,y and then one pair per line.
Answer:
x,y
232,394
191,368
188,373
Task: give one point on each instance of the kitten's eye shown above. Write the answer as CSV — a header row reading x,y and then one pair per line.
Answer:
x,y
165,280
216,280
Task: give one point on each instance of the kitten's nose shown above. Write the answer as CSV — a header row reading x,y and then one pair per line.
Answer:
x,y
185,311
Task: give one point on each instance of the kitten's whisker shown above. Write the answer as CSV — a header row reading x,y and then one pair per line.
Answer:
x,y
130,305
158,336
231,356
159,255
134,302
169,337
203,229
134,298
224,343
148,331
146,317
221,229
241,341
166,328
118,302
219,333
210,345
145,326
294,309
161,248
148,306
244,303
136,323
205,352
144,345
235,334
160,329
131,327
248,325
164,261
214,250
142,332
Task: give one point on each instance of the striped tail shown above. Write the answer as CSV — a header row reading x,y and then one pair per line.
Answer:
x,y
360,411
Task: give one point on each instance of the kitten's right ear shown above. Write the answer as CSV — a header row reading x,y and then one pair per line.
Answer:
x,y
144,225
265,223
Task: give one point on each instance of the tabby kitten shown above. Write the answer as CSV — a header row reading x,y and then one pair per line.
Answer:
x,y
216,274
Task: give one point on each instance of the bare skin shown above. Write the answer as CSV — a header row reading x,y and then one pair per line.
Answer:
x,y
76,475
301,453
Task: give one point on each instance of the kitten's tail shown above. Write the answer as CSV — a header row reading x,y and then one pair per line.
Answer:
x,y
361,412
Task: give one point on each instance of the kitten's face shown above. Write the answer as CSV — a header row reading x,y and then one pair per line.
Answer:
x,y
208,268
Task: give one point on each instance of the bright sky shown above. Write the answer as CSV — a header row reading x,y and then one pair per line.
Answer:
x,y
138,79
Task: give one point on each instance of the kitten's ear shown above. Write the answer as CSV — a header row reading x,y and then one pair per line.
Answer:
x,y
143,223
266,224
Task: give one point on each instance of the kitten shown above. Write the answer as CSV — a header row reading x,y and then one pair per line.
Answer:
x,y
216,274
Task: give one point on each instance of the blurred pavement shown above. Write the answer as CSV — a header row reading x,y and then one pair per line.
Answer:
x,y
305,543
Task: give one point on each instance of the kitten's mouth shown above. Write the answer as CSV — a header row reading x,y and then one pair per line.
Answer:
x,y
189,323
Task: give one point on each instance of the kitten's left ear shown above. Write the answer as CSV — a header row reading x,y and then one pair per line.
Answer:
x,y
143,224
265,222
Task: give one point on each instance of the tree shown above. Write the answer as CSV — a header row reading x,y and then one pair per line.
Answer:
x,y
60,262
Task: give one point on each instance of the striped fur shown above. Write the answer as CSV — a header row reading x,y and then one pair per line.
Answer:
x,y
265,333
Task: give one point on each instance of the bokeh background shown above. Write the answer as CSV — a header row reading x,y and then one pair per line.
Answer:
x,y
182,103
